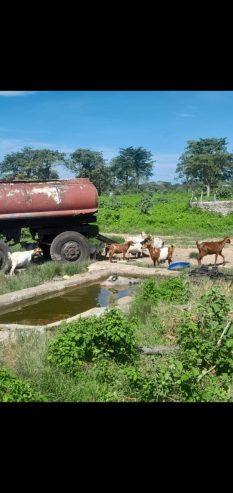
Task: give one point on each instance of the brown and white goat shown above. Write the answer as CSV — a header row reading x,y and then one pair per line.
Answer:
x,y
159,254
211,248
119,248
154,253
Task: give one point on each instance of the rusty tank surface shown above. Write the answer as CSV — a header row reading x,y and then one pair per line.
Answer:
x,y
55,198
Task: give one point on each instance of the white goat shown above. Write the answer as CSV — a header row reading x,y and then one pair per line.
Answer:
x,y
157,242
22,259
138,248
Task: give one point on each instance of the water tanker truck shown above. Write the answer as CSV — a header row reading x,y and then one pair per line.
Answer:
x,y
62,213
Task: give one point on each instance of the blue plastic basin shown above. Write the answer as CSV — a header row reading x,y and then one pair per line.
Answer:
x,y
179,265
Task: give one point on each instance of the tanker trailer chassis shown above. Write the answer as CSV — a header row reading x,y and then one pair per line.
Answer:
x,y
62,239
60,215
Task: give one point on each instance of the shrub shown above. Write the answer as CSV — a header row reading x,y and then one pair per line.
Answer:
x,y
111,216
114,204
158,385
14,390
85,340
198,336
202,369
224,193
145,204
170,290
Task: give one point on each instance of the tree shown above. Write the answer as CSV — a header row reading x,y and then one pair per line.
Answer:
x,y
30,164
133,165
206,161
86,163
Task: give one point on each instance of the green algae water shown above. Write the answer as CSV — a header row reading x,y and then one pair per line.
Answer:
x,y
59,307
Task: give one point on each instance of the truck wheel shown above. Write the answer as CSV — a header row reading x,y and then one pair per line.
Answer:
x,y
4,260
69,246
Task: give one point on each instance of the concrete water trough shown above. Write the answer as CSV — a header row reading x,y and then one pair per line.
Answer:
x,y
26,301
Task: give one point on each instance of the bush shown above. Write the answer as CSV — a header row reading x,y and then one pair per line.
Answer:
x,y
14,390
198,336
224,193
85,340
169,290
202,369
114,204
145,204
111,216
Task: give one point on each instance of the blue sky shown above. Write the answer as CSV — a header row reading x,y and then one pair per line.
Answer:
x,y
160,121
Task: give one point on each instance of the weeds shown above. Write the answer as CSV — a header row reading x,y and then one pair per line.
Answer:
x,y
38,274
96,359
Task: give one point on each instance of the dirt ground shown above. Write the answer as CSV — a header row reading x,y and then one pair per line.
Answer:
x,y
182,254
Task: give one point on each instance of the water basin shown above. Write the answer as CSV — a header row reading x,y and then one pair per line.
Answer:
x,y
59,307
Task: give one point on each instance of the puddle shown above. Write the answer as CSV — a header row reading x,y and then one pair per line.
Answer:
x,y
71,302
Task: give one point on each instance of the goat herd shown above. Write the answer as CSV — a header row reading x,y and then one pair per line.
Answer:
x,y
141,244
159,253
155,246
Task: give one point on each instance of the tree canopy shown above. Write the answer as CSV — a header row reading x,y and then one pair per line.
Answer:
x,y
86,163
206,161
30,164
132,166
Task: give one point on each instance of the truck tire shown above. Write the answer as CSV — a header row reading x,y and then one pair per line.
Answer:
x,y
69,246
4,260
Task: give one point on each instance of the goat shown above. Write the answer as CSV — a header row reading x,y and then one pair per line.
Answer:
x,y
154,253
156,242
96,250
138,248
211,248
166,253
119,248
22,259
160,254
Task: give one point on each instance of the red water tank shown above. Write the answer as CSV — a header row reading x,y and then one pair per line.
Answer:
x,y
22,199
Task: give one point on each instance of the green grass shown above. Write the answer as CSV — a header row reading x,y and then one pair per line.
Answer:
x,y
193,254
106,380
170,217
38,274
115,237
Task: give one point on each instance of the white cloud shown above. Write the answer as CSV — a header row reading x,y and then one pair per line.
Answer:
x,y
185,115
16,93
